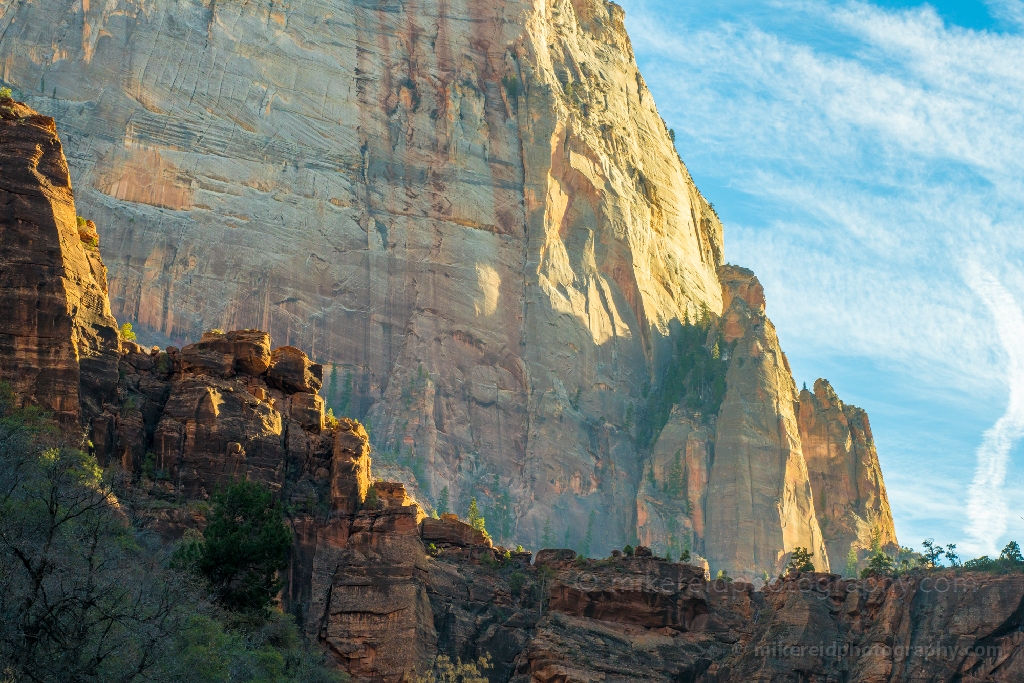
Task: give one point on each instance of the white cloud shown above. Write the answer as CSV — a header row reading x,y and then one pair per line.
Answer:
x,y
986,505
1011,11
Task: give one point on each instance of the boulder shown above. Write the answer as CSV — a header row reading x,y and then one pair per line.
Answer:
x,y
306,409
449,530
291,371
250,349
554,557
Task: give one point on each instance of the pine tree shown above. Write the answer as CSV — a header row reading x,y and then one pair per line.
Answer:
x,y
547,539
332,387
475,519
851,563
444,501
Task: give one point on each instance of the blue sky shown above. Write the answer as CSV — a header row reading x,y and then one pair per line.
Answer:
x,y
867,161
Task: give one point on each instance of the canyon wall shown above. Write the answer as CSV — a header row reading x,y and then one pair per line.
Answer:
x,y
58,340
473,217
473,209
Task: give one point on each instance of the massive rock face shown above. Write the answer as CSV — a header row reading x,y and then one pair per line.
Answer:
x,y
472,208
58,341
759,505
846,478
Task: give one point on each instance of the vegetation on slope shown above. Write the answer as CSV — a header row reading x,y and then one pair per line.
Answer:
x,y
88,596
694,378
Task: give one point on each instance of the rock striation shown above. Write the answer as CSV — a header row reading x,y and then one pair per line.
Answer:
x,y
58,340
846,477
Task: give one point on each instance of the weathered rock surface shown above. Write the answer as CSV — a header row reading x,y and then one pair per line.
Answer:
x,y
58,340
759,501
473,208
846,478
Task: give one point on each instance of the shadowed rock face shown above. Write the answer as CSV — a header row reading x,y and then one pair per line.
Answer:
x,y
58,341
473,208
849,493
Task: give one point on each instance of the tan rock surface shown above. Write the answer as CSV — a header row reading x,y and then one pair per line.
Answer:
x,y
483,193
759,501
846,477
58,340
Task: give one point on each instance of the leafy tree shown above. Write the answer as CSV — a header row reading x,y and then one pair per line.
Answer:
x,y
723,575
245,545
1011,553
800,560
127,333
879,564
628,551
5,93
685,556
445,671
951,555
932,553
474,517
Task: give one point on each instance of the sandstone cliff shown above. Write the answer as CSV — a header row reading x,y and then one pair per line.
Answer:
x,y
727,477
58,340
850,499
472,208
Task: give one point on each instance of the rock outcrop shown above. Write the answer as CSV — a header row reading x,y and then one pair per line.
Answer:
x,y
760,505
58,340
850,500
475,211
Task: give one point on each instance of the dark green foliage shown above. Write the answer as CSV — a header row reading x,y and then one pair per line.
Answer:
x,y
628,551
1009,561
879,564
373,501
501,514
85,598
444,502
932,553
511,84
695,378
245,545
516,581
800,560
547,539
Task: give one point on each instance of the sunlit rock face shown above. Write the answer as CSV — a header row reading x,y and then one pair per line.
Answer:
x,y
58,341
846,477
473,208
760,507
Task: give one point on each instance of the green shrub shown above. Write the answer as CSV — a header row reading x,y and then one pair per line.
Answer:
x,y
516,582
5,93
127,333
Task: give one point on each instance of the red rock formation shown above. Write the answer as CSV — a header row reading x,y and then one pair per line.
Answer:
x,y
759,503
58,340
846,477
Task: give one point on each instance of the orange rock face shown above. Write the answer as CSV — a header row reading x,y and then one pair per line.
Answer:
x,y
58,340
759,502
849,491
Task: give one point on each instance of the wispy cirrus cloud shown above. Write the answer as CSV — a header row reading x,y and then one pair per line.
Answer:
x,y
987,507
861,157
